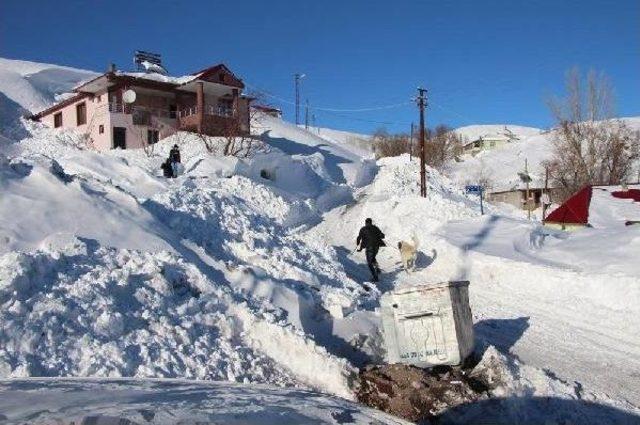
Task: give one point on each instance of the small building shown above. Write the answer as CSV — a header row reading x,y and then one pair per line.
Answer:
x,y
518,197
598,206
268,110
135,109
485,143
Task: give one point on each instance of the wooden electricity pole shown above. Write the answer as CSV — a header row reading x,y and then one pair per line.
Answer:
x,y
411,143
526,172
296,78
422,101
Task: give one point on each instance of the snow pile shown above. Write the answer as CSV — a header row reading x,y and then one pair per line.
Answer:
x,y
76,308
355,142
343,164
123,260
39,198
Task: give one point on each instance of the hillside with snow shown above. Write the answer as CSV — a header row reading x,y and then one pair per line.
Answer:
x,y
243,271
28,87
500,166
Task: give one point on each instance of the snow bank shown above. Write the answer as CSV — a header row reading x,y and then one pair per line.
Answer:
x,y
117,401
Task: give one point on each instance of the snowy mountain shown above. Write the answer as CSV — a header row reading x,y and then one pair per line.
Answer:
x,y
28,87
243,270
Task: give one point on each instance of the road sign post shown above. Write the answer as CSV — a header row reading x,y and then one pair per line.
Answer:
x,y
476,189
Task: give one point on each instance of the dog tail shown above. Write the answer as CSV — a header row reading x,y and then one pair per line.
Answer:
x,y
416,242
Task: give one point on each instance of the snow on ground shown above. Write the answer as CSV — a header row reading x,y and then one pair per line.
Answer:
x,y
243,269
575,322
355,142
114,401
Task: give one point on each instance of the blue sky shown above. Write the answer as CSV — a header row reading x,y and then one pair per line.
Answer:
x,y
483,61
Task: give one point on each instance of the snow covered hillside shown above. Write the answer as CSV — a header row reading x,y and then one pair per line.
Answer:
x,y
28,87
502,165
244,270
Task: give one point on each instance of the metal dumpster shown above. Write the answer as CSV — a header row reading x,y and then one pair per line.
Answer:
x,y
428,325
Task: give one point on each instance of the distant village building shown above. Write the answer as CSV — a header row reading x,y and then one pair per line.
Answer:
x,y
135,109
490,142
518,197
274,112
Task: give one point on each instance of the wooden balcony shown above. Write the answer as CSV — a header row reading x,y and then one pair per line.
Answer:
x,y
216,121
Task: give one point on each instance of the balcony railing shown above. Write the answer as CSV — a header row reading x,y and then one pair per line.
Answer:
x,y
123,108
219,110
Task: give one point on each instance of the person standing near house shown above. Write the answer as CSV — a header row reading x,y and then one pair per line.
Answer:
x,y
370,238
174,159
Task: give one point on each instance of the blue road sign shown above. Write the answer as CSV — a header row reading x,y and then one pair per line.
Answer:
x,y
473,188
477,190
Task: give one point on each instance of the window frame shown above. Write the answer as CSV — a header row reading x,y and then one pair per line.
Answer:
x,y
82,106
153,136
57,120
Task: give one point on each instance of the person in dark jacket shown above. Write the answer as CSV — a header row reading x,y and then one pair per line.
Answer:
x,y
371,239
174,159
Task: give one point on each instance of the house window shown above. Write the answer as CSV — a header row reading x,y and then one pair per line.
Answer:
x,y
57,120
81,113
152,137
100,129
225,107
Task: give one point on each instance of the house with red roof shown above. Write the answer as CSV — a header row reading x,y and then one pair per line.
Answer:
x,y
598,206
135,109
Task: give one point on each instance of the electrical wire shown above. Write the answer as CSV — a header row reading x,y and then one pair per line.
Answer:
x,y
318,108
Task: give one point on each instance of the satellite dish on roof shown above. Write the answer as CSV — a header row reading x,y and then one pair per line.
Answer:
x,y
129,96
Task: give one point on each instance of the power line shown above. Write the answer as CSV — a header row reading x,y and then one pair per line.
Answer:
x,y
318,108
400,123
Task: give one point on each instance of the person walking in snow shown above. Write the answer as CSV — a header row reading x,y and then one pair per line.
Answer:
x,y
174,159
370,238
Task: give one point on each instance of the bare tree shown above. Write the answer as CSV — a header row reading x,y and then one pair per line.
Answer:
x,y
589,146
386,144
233,137
443,146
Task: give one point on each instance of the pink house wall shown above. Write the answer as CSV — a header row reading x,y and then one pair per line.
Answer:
x,y
97,115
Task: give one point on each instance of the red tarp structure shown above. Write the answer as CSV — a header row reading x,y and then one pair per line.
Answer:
x,y
575,210
629,194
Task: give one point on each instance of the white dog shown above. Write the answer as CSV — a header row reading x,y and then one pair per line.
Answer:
x,y
409,253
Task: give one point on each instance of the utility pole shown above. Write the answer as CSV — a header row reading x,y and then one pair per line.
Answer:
x,y
545,197
526,172
411,143
306,115
422,102
297,77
